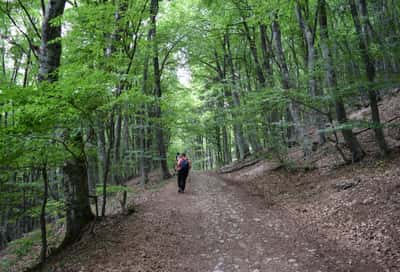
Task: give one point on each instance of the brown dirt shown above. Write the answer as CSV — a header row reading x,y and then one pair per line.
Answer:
x,y
363,220
214,226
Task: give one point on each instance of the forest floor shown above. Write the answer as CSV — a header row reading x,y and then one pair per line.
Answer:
x,y
215,226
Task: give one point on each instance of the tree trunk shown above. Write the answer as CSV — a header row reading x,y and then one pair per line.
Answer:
x,y
107,162
231,92
103,154
117,169
76,184
43,250
253,49
294,109
364,35
50,48
127,162
143,162
26,71
227,154
266,53
79,213
162,152
144,127
309,37
348,135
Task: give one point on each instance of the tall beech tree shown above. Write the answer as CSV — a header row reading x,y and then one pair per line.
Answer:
x,y
154,8
78,211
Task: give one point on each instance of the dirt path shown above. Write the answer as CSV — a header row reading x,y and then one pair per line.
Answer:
x,y
214,227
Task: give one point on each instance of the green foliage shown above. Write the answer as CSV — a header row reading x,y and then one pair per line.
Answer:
x,y
113,189
23,246
53,208
6,264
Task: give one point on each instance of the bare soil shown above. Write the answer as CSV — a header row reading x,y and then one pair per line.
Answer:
x,y
354,209
215,226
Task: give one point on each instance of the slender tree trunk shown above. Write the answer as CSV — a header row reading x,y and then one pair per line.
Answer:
x,y
251,127
3,56
309,37
261,78
127,169
107,162
117,169
253,50
294,109
157,92
15,71
144,126
26,72
240,141
266,53
226,150
103,156
93,171
232,93
43,250
348,135
364,34
252,138
143,162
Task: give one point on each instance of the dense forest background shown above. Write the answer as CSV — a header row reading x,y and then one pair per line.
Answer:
x,y
93,93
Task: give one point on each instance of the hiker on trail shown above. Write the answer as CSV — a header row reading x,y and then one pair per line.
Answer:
x,y
183,168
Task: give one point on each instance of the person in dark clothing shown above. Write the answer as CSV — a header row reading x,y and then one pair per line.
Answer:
x,y
183,168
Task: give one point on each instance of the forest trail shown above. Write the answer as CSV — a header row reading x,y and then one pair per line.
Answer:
x,y
214,226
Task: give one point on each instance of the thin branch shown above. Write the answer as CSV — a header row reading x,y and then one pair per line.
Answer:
x,y
169,52
209,65
305,104
12,42
219,69
314,31
31,45
74,4
43,6
366,129
135,42
50,139
30,19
